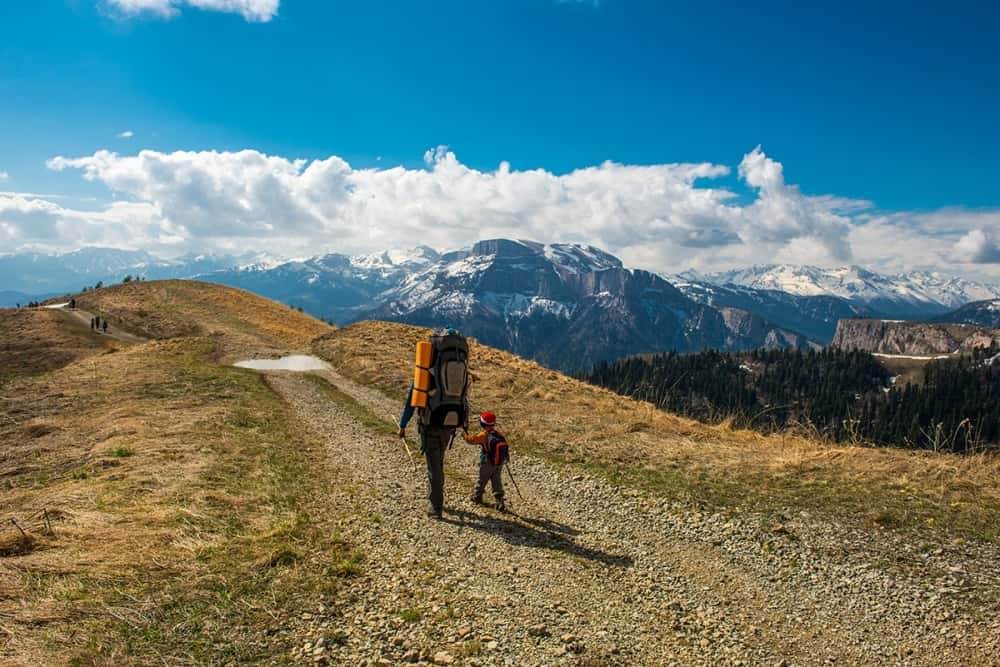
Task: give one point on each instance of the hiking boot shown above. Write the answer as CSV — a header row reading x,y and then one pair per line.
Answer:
x,y
501,506
434,512
476,500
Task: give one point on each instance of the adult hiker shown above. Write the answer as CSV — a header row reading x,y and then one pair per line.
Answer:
x,y
93,323
493,454
104,325
438,396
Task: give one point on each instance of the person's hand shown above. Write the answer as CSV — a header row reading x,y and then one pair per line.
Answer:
x,y
402,432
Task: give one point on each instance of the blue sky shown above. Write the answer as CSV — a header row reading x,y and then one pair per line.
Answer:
x,y
894,104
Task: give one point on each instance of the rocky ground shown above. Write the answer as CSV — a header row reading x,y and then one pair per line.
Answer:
x,y
586,573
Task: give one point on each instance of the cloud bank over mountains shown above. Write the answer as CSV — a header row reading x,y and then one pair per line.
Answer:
x,y
662,217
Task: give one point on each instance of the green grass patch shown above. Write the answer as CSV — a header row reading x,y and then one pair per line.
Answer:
x,y
351,565
470,649
411,614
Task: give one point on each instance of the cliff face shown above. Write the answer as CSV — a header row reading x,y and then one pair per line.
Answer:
x,y
916,338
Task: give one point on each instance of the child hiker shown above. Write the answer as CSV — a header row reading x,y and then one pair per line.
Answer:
x,y
493,454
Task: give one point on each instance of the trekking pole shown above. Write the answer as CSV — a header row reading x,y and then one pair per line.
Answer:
x,y
407,448
516,488
409,453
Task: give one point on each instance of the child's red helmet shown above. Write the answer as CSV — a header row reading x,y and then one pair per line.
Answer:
x,y
487,419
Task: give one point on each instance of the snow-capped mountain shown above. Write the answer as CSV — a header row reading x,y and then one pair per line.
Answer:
x,y
392,262
916,294
332,286
951,291
567,305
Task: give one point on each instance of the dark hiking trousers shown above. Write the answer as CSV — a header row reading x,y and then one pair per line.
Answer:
x,y
489,472
433,442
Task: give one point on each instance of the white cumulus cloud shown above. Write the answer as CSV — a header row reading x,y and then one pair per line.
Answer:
x,y
29,222
4,176
978,246
127,134
664,217
251,10
815,229
250,197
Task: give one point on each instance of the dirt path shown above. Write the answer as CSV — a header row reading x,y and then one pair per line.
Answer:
x,y
590,574
78,316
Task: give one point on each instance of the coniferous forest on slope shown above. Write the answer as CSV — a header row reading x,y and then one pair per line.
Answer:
x,y
845,396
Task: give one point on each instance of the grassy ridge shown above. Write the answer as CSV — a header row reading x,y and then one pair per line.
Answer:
x,y
569,421
243,322
35,341
187,512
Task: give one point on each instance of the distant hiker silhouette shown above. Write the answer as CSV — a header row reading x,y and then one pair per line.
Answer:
x,y
72,304
104,326
493,454
438,394
93,323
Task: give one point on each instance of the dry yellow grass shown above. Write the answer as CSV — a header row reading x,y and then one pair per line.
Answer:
x,y
572,421
165,499
39,340
169,308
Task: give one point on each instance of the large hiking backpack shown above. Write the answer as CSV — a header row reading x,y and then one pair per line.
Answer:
x,y
441,380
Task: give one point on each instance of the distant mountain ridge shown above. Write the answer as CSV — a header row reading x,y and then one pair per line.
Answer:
x,y
333,286
523,295
816,316
979,313
917,294
38,274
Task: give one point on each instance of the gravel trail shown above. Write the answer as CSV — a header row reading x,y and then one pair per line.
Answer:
x,y
586,573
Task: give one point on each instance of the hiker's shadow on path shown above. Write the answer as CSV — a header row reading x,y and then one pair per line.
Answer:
x,y
550,526
552,535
